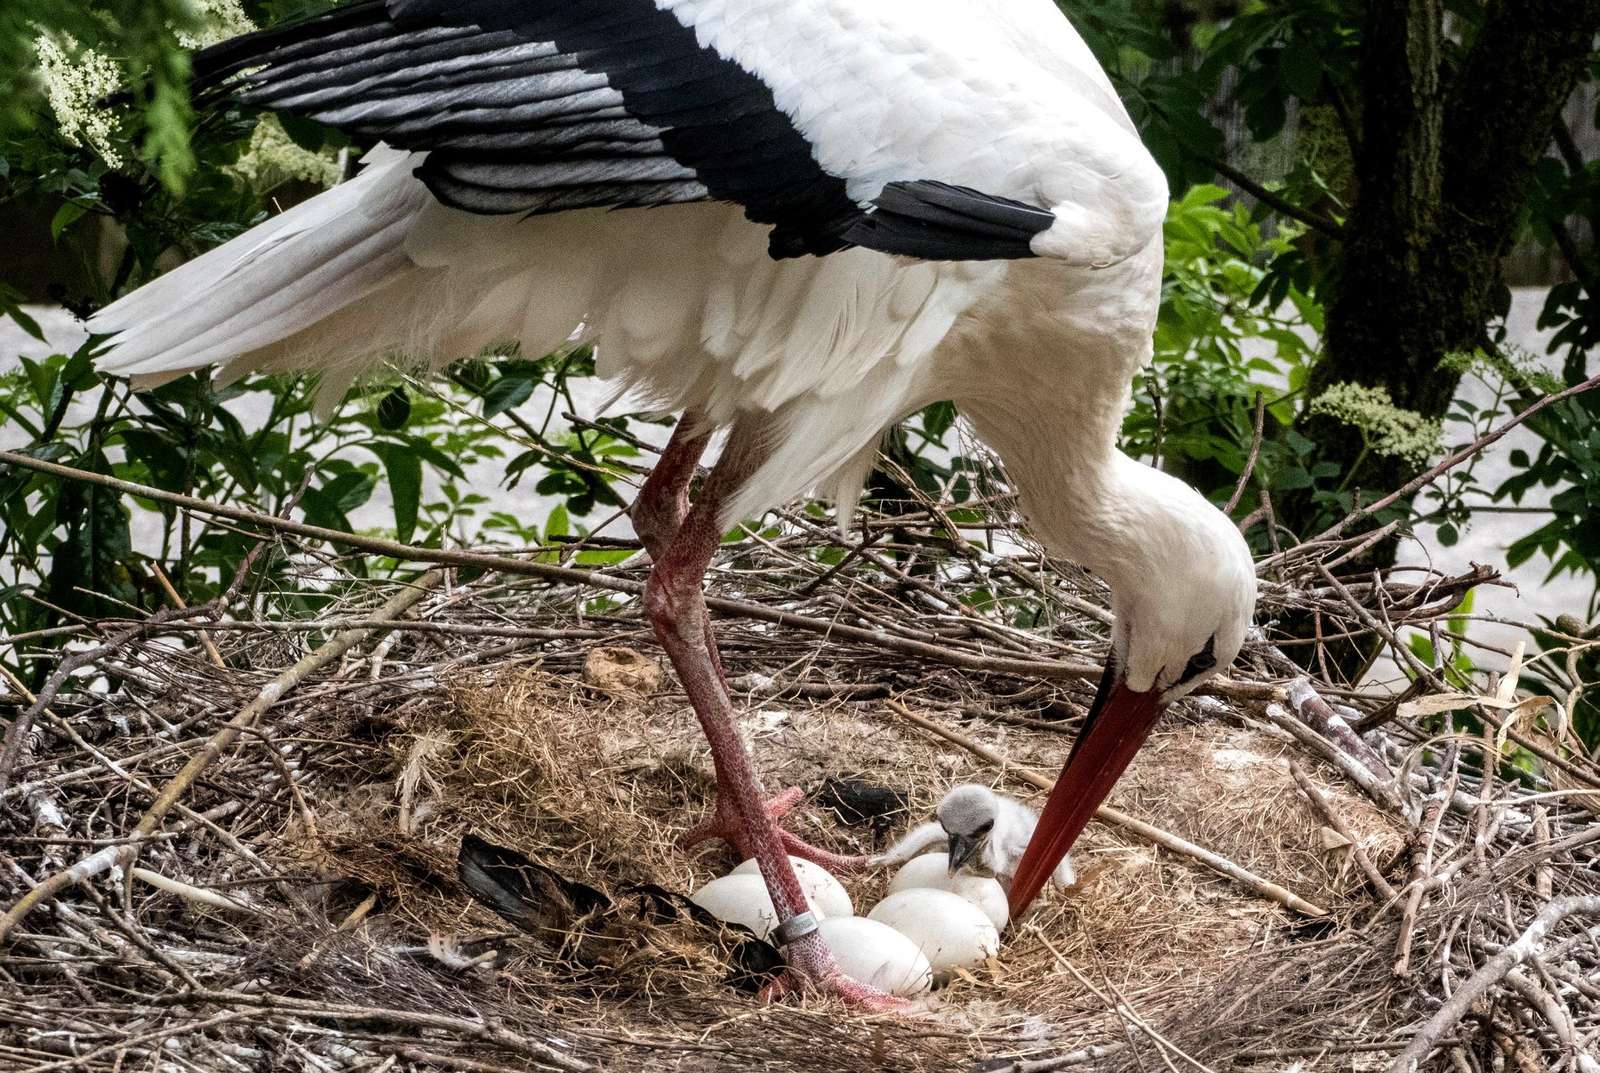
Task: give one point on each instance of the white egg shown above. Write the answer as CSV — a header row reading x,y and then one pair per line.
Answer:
x,y
948,929
876,955
928,870
739,899
826,893
931,870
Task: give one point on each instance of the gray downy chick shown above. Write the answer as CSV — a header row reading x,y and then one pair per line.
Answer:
x,y
983,832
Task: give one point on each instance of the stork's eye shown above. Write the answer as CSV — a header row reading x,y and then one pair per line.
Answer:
x,y
984,827
1203,661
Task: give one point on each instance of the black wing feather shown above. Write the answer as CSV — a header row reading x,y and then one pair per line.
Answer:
x,y
938,221
529,106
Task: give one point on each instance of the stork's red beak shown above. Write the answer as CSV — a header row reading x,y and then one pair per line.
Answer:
x,y
1118,723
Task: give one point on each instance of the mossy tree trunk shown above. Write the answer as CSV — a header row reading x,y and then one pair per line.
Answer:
x,y
1449,144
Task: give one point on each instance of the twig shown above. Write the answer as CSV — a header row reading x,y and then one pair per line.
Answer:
x,y
64,670
1320,716
1255,452
1334,820
269,695
1527,946
484,1030
1385,795
1314,220
1421,873
1106,814
188,892
178,602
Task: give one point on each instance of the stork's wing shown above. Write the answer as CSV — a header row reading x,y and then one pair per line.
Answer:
x,y
537,106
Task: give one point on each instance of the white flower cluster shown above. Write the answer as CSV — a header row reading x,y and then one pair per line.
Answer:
x,y
1389,430
219,20
272,158
77,80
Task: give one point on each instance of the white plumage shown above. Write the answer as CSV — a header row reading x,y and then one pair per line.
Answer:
x,y
682,300
986,833
797,219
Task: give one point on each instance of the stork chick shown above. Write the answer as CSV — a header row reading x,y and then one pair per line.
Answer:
x,y
985,833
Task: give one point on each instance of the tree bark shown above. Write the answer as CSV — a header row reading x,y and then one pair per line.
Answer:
x,y
1448,151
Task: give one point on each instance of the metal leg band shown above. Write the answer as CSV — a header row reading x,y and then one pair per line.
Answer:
x,y
796,927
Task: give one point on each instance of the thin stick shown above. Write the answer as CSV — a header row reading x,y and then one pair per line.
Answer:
x,y
1106,814
485,1030
1421,872
270,694
1334,820
1320,716
1255,452
178,602
1385,795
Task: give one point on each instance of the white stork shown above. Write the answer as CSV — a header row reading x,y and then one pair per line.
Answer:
x,y
835,213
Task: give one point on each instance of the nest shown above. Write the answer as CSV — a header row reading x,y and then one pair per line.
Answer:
x,y
245,855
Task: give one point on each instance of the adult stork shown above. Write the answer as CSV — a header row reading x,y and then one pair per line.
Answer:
x,y
835,213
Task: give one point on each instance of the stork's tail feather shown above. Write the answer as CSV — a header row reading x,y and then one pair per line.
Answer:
x,y
309,268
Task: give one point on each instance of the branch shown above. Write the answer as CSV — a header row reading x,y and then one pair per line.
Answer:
x,y
1314,220
1449,463
1054,670
1255,452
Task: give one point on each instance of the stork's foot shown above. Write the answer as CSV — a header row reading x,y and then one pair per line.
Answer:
x,y
724,824
812,970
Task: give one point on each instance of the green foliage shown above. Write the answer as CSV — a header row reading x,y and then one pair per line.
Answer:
x,y
1219,344
1569,457
68,549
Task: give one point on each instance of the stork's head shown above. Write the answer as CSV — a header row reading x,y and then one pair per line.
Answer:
x,y
1183,590
967,815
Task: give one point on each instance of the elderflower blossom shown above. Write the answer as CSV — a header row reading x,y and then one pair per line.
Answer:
x,y
272,158
218,20
1389,430
76,81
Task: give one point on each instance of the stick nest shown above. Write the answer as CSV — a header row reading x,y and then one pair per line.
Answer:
x,y
298,906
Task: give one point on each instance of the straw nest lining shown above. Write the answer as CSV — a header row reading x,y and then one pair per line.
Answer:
x,y
331,825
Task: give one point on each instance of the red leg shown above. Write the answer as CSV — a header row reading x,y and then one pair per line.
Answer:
x,y
724,824
663,502
658,513
676,606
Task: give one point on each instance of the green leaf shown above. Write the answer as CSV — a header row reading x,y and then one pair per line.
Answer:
x,y
95,555
394,410
11,306
307,134
937,419
559,524
505,393
45,380
67,215
405,486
